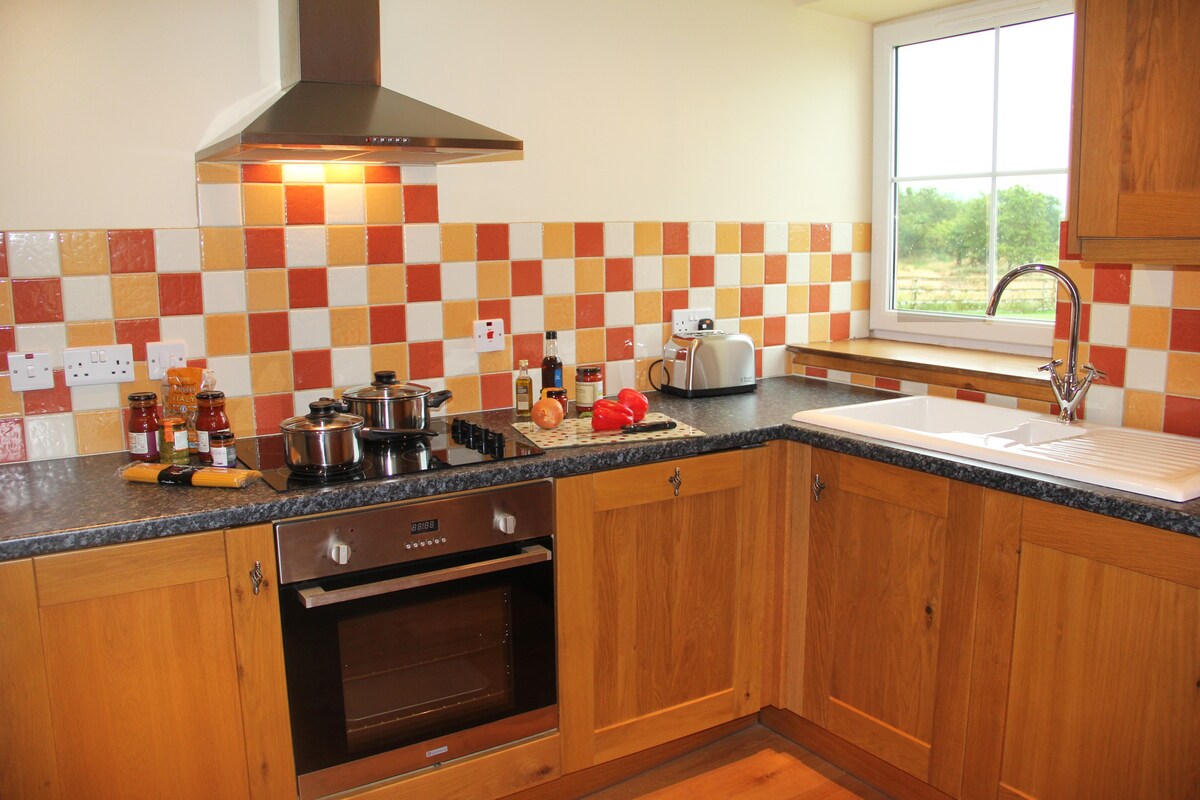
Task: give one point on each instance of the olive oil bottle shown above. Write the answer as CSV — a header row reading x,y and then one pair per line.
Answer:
x,y
524,390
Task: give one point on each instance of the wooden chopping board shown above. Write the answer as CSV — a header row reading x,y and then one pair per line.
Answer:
x,y
578,433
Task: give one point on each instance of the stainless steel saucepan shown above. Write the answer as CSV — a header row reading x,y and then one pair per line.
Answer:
x,y
388,406
323,441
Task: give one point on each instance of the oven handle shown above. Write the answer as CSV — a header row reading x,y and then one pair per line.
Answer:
x,y
314,596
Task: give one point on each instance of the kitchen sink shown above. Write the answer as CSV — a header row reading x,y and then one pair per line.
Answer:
x,y
1160,465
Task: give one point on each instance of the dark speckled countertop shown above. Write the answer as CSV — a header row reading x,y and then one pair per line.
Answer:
x,y
67,504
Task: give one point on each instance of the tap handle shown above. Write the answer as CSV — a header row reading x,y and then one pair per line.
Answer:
x,y
1094,374
1050,367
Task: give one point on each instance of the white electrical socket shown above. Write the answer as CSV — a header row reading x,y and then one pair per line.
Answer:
x,y
161,356
687,320
31,370
88,366
489,335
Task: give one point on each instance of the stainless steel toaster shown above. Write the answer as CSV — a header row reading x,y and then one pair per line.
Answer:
x,y
707,363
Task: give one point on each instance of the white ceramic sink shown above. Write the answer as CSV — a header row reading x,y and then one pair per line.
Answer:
x,y
1157,464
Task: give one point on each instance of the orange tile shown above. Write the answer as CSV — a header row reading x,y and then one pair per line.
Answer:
x,y
860,295
141,381
647,238
99,432
1187,288
343,173
589,275
135,296
818,327
1036,406
559,312
753,327
346,245
497,360
558,240
753,270
240,411
385,204
859,379
1144,410
218,173
642,372
11,403
820,267
6,304
89,334
262,203
1149,327
797,299
1083,275
647,307
1183,374
466,396
942,391
458,241
861,237
590,346
83,252
493,279
222,248
271,373
799,237
390,356
226,334
266,290
349,326
729,237
385,284
458,318
676,272
729,299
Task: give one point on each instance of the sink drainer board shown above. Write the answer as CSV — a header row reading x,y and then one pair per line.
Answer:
x,y
1160,465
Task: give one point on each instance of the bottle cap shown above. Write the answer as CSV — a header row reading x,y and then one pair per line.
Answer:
x,y
523,363
551,334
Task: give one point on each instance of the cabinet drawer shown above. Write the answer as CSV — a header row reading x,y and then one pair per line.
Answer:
x,y
652,483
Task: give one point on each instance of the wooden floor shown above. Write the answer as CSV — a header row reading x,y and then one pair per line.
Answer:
x,y
754,764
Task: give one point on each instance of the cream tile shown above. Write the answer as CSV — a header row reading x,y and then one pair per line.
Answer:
x,y
346,286
345,204
87,297
177,250
224,292
33,254
220,205
305,246
422,243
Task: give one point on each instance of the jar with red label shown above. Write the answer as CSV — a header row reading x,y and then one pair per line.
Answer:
x,y
210,418
143,426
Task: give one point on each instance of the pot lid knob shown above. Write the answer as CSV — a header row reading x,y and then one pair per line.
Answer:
x,y
384,377
322,410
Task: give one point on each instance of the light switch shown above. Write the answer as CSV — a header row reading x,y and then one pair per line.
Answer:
x,y
489,335
30,370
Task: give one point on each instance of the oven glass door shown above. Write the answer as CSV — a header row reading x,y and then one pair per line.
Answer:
x,y
385,676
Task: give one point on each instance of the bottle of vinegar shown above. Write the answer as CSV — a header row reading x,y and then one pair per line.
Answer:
x,y
551,365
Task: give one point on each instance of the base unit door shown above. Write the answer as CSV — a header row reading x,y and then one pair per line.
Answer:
x,y
661,574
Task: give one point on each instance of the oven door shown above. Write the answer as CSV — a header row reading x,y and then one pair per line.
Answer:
x,y
396,669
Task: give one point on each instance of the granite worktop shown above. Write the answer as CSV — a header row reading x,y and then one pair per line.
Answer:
x,y
67,504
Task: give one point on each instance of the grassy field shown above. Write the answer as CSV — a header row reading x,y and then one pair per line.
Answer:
x,y
954,289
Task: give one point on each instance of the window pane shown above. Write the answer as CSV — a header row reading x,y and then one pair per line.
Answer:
x,y
1028,212
1035,94
944,115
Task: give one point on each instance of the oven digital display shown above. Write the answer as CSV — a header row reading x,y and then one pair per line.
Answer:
x,y
423,527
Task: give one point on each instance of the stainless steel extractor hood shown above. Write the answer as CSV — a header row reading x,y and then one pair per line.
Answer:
x,y
339,112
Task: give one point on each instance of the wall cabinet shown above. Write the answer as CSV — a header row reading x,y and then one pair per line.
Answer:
x,y
1135,172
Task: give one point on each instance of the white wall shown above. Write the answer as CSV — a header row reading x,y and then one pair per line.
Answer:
x,y
670,109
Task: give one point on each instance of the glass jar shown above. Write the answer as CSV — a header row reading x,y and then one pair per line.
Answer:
x,y
175,448
143,426
558,394
589,387
210,418
222,447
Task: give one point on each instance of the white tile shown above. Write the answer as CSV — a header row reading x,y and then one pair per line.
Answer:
x,y
647,272
1151,287
49,436
345,204
188,328
347,286
87,297
566,347
419,173
795,329
838,376
309,328
774,300
528,314
1146,369
424,322
731,325
1105,405
95,398
303,173
727,270
839,296
459,357
702,238
220,205
647,341
914,388
702,297
458,280
618,308
33,254
860,324
775,237
798,268
224,292
558,276
618,239
775,361
351,366
841,237
301,399
177,249
619,375
422,244
1000,400
233,374
51,336
860,266
525,241
1109,324
304,245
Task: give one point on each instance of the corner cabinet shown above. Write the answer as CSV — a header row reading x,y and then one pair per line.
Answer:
x,y
1135,171
663,592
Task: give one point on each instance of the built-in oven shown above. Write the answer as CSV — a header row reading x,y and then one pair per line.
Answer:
x,y
417,633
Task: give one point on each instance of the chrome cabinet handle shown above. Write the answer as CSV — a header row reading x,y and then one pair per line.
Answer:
x,y
676,480
256,577
817,488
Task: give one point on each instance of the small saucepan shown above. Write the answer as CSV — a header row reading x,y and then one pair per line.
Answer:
x,y
322,442
388,405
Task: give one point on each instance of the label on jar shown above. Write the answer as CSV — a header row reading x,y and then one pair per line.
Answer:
x,y
587,393
201,441
224,455
181,439
143,444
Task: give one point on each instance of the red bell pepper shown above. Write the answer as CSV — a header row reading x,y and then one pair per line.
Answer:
x,y
635,401
610,416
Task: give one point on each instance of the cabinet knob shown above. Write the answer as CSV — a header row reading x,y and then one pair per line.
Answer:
x,y
676,480
817,488
256,577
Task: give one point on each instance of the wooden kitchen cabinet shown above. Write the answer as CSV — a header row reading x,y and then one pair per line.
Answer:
x,y
1135,171
663,583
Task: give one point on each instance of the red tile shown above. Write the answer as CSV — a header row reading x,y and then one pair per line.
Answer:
x,y
3,257
49,401
12,441
312,369
137,332
425,360
526,278
496,309
385,244
131,251
701,271
752,301
270,410
774,331
198,363
424,282
304,204
1062,320
496,390
820,238
839,326
269,331
37,300
1181,415
1109,360
776,269
841,267
491,241
752,237
818,298
971,395
1185,328
527,346
816,372
265,248
891,384
618,274
673,300
387,324
262,173
378,173
618,343
308,288
758,362
1111,283
180,293
420,203
589,311
8,339
675,238
589,239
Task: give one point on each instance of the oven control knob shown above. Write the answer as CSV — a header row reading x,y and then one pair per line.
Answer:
x,y
339,553
506,523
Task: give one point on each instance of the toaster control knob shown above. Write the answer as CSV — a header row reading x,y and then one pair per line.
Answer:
x,y
506,523
339,553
